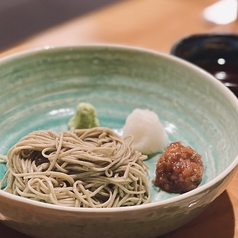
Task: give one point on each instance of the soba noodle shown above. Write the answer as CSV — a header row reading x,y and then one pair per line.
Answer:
x,y
82,168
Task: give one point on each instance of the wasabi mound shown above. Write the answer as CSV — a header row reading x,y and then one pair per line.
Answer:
x,y
85,117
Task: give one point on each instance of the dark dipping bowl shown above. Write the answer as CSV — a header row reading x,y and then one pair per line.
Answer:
x,y
216,53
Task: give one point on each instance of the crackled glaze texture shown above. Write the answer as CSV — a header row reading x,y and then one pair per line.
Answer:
x,y
41,89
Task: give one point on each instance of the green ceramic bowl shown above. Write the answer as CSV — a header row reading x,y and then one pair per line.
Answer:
x,y
40,89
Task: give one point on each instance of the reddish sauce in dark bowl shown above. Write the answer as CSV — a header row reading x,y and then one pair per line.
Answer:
x,y
216,53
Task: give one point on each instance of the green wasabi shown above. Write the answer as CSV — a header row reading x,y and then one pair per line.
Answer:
x,y
85,117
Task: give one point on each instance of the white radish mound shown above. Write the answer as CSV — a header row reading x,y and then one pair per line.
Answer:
x,y
149,135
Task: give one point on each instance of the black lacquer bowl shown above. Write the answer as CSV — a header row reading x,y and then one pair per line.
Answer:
x,y
217,53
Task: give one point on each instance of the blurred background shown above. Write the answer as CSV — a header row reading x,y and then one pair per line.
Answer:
x,y
154,24
19,19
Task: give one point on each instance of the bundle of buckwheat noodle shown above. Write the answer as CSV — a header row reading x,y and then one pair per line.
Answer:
x,y
81,168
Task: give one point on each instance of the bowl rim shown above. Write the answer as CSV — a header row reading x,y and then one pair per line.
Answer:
x,y
199,190
199,36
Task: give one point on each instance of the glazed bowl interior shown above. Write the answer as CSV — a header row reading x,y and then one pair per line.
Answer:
x,y
41,89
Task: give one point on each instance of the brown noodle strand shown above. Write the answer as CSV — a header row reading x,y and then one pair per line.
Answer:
x,y
81,168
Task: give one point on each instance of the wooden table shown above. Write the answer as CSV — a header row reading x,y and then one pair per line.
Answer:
x,y
153,24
